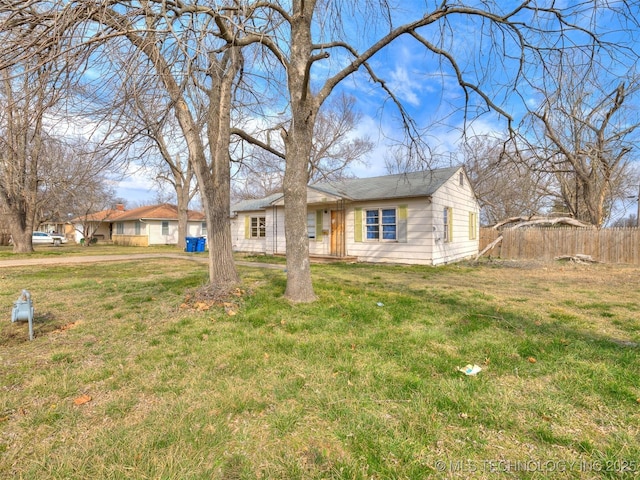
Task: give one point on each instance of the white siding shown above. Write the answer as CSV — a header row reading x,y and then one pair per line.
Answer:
x,y
424,229
154,228
195,229
462,202
275,244
238,236
321,245
416,250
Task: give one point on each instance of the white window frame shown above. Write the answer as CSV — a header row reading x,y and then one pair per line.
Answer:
x,y
119,228
380,224
447,220
165,227
311,225
258,227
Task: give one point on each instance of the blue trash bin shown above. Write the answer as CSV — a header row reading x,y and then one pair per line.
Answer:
x,y
202,242
191,244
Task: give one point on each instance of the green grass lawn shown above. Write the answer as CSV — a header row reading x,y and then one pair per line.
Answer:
x,y
123,382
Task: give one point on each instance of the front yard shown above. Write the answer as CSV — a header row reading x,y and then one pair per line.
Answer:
x,y
128,379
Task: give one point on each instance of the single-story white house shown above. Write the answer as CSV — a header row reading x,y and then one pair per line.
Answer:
x,y
428,217
143,226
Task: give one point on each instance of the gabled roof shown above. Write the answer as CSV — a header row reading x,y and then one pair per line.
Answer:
x,y
255,203
415,184
102,216
404,185
163,211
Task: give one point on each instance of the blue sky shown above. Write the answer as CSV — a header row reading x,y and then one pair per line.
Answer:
x,y
427,90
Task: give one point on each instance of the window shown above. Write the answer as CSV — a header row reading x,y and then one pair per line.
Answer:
x,y
447,217
165,228
258,227
138,227
311,224
461,177
120,228
203,227
473,225
381,224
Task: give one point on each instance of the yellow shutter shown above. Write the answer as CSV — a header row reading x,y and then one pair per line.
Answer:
x,y
402,223
247,227
319,225
473,227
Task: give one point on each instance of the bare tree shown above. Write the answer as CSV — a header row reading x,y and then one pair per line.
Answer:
x,y
26,93
502,181
508,51
161,40
335,149
583,134
174,169
313,46
74,180
144,112
400,159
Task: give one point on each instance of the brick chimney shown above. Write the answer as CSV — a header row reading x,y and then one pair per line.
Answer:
x,y
120,207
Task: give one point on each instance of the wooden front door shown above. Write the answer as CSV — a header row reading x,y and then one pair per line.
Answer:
x,y
337,233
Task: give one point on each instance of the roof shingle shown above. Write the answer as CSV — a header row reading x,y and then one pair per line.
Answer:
x,y
404,185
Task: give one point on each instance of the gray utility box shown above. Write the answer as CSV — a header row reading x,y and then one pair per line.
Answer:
x,y
23,310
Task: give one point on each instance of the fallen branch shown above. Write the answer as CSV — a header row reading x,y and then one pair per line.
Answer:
x,y
488,247
520,222
578,258
536,220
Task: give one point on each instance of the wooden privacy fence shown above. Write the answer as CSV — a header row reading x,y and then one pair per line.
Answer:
x,y
608,245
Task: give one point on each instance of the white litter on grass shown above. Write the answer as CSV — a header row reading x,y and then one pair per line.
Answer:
x,y
380,304
470,369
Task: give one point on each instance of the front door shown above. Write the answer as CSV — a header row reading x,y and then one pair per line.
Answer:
x,y
337,233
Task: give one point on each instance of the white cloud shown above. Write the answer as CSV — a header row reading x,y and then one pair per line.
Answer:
x,y
405,86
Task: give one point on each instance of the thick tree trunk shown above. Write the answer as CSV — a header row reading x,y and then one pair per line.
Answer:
x,y
215,180
298,145
21,231
299,285
222,268
23,137
214,185
182,194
